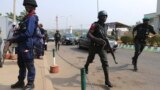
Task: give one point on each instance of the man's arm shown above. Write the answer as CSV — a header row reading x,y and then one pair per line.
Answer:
x,y
92,37
133,32
30,30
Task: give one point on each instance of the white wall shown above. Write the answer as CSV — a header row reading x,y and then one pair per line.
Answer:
x,y
5,25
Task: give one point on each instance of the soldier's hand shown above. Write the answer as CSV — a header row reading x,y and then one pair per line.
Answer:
x,y
100,41
11,39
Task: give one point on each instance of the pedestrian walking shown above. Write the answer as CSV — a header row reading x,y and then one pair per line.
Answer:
x,y
57,37
24,40
142,31
97,42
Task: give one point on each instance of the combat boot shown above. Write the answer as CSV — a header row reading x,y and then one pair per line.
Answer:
x,y
86,69
18,84
108,84
28,87
135,68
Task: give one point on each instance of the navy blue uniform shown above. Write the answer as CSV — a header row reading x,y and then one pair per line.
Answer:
x,y
24,40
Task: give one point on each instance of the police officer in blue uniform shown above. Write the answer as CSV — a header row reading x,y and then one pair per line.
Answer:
x,y
142,31
95,34
24,39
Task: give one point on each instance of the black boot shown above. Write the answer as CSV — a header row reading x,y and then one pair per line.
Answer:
x,y
108,84
106,75
18,84
86,69
134,62
28,87
135,68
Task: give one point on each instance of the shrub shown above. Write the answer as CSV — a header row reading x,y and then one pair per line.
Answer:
x,y
127,39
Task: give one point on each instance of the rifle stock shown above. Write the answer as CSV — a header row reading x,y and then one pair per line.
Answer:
x,y
111,51
107,45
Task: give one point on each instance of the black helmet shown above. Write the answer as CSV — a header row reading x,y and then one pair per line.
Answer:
x,y
102,13
30,2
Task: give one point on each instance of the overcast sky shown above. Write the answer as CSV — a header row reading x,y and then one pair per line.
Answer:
x,y
81,13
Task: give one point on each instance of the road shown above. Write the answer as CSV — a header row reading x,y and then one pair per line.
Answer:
x,y
70,59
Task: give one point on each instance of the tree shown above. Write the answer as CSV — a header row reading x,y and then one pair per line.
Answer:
x,y
0,14
22,14
18,18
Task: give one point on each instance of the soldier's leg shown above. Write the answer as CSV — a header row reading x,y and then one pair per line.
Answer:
x,y
22,73
56,42
136,54
58,45
103,57
90,58
31,74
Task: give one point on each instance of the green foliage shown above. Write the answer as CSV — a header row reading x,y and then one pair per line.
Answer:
x,y
0,14
154,41
18,18
127,39
111,37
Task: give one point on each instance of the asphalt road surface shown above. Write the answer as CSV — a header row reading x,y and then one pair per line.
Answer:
x,y
70,59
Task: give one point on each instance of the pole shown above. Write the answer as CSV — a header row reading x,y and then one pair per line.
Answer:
x,y
81,29
83,79
97,6
14,11
54,61
56,22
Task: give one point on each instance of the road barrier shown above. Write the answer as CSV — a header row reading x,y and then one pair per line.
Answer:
x,y
54,68
83,79
147,48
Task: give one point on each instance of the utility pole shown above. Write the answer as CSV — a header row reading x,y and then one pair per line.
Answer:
x,y
14,11
97,6
56,22
81,29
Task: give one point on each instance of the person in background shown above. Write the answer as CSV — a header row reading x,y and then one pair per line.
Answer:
x,y
57,37
142,32
38,42
0,46
45,35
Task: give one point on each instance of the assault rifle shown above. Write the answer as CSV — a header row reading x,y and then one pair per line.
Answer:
x,y
106,43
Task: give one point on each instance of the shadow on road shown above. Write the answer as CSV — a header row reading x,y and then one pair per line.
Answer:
x,y
6,87
118,68
11,62
72,82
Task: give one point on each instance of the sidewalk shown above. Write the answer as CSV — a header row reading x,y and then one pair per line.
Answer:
x,y
9,73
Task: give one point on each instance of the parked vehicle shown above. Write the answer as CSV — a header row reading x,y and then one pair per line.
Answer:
x,y
69,39
84,42
51,38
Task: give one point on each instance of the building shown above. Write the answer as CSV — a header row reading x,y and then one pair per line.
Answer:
x,y
5,26
155,18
